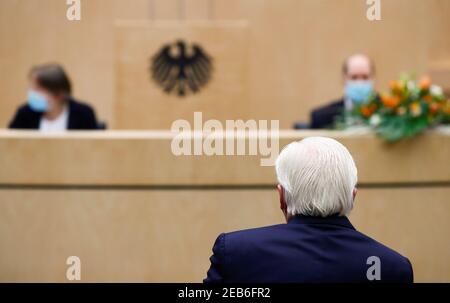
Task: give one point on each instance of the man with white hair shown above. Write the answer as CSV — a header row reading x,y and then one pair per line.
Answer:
x,y
317,186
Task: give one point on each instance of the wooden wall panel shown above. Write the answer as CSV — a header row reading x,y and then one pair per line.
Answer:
x,y
138,96
155,236
296,48
167,236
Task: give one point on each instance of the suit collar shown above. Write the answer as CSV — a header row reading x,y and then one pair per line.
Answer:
x,y
331,220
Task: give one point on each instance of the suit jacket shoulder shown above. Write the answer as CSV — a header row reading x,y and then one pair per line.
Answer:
x,y
81,116
399,266
231,247
25,118
324,116
303,252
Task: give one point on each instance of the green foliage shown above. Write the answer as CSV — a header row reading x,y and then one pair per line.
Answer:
x,y
405,111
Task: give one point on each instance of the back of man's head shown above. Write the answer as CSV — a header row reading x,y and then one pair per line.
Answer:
x,y
318,176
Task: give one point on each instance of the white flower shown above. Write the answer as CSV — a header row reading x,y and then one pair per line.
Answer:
x,y
436,91
375,120
411,85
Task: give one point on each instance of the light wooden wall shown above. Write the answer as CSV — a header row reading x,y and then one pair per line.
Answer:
x,y
296,47
167,236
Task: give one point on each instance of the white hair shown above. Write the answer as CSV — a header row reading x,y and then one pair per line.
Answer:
x,y
318,176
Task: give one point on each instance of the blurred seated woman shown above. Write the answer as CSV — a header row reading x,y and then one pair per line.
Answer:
x,y
50,106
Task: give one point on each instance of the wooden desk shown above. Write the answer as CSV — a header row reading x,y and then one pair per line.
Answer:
x,y
132,211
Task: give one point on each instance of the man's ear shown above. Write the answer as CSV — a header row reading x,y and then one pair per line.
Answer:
x,y
355,191
283,205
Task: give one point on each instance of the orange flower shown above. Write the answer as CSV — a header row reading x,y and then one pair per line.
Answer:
x,y
447,107
428,98
434,107
392,84
425,82
366,111
390,101
396,87
415,109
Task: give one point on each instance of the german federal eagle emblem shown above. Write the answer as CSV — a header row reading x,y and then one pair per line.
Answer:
x,y
181,69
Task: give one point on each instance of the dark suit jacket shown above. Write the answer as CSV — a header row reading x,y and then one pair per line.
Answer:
x,y
324,116
307,249
81,117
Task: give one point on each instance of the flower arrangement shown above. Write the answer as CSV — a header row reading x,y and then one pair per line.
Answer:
x,y
408,108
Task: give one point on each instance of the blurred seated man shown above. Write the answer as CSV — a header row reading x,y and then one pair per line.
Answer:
x,y
358,73
317,179
50,106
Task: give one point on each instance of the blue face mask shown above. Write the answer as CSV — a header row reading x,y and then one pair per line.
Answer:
x,y
358,91
38,102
